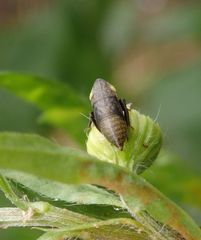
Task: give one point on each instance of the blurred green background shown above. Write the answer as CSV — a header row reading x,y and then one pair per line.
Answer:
x,y
149,49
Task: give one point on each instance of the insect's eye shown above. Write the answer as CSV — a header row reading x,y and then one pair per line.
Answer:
x,y
112,87
91,95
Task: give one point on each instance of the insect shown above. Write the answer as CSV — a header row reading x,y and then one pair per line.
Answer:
x,y
110,114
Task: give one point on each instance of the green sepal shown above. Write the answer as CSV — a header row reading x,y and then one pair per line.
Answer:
x,y
139,151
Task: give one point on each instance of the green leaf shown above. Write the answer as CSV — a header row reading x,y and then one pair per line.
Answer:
x,y
184,182
149,208
61,106
43,215
69,193
55,236
10,194
124,229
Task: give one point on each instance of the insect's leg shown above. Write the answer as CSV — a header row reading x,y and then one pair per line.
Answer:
x,y
128,106
125,110
92,119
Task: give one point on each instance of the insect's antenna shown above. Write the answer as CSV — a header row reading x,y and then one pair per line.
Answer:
x,y
85,116
86,130
158,113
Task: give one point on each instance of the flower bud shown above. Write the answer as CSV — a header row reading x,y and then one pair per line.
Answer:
x,y
139,151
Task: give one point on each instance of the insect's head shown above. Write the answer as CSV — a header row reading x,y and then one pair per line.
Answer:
x,y
100,88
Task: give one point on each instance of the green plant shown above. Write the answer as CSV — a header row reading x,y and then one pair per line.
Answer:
x,y
66,192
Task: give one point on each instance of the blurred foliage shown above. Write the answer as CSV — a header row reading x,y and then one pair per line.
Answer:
x,y
20,233
61,41
61,105
179,98
21,117
176,24
150,49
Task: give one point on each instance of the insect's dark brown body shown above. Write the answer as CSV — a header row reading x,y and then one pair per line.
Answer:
x,y
110,114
